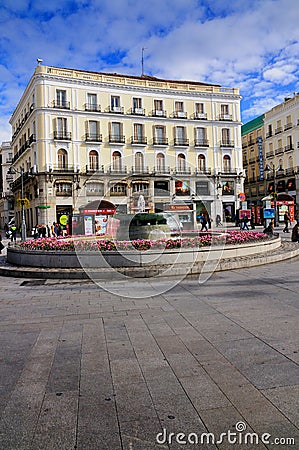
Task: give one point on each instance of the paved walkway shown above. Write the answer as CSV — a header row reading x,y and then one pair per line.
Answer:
x,y
82,368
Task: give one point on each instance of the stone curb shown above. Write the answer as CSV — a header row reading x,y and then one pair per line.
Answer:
x,y
286,251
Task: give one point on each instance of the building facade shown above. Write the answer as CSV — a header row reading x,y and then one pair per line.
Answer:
x,y
6,195
271,141
78,136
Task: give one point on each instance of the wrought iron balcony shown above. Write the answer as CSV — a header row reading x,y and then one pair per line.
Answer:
x,y
115,109
269,134
289,148
139,170
117,170
279,151
63,168
228,117
62,135
179,115
160,141
116,139
181,142
201,143
199,116
161,170
138,140
92,108
94,169
278,130
203,170
92,137
182,171
137,111
227,143
270,154
288,126
158,113
61,104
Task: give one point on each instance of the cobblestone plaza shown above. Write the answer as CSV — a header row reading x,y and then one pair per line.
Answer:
x,y
83,368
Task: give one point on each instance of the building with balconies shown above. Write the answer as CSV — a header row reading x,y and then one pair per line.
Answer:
x,y
273,140
6,179
79,135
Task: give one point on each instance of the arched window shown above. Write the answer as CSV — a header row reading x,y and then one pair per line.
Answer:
x,y
181,162
160,162
226,163
139,161
93,160
62,159
201,163
291,162
280,163
116,160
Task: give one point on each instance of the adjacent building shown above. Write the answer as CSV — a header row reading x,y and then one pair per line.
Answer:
x,y
78,136
6,195
271,142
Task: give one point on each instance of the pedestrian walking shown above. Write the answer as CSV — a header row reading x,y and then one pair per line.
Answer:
x,y
286,219
204,223
13,230
245,221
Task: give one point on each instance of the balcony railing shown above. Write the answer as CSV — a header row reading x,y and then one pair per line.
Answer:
x,y
226,143
288,126
115,109
270,154
63,135
116,138
279,151
289,148
161,170
179,115
225,117
64,193
94,169
91,137
140,170
290,171
158,113
61,104
199,116
201,143
63,168
117,170
137,111
269,134
160,141
278,130
203,170
182,171
181,142
228,170
138,140
252,160
92,108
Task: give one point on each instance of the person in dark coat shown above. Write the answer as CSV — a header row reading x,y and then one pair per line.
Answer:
x,y
286,219
295,233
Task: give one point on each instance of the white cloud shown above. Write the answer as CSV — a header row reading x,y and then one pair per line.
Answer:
x,y
251,45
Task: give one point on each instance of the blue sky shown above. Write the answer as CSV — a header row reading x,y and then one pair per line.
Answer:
x,y
250,44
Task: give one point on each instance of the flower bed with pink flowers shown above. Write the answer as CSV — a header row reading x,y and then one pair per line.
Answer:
x,y
203,240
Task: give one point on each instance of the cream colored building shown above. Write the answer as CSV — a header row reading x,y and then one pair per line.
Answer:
x,y
79,136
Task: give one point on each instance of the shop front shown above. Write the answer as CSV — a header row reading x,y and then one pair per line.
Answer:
x,y
95,218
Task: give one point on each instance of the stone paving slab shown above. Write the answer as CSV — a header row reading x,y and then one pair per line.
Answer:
x,y
84,368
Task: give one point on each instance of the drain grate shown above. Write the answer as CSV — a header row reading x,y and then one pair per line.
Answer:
x,y
33,283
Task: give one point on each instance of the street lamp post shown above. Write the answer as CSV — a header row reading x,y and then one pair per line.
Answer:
x,y
274,170
13,170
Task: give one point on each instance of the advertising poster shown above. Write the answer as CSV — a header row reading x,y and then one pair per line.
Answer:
x,y
244,212
100,225
269,213
88,225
